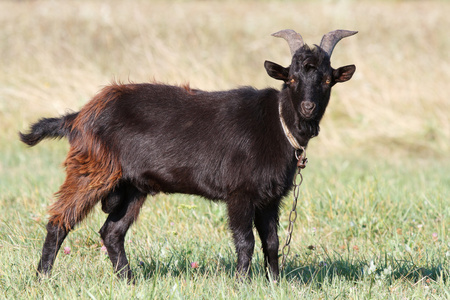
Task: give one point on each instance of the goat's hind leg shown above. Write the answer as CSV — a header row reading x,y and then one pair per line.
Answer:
x,y
64,215
76,199
55,237
123,205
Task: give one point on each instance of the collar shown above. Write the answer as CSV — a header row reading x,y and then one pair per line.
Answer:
x,y
292,140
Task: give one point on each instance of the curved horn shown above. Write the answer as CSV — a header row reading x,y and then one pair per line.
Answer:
x,y
330,39
293,38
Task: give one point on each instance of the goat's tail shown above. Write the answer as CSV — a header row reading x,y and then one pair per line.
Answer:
x,y
48,128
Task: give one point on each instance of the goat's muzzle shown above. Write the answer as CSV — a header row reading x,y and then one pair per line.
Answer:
x,y
307,109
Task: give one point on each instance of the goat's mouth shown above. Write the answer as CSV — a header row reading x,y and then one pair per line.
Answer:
x,y
307,115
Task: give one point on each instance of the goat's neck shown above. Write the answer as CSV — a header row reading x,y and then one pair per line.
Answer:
x,y
291,138
293,125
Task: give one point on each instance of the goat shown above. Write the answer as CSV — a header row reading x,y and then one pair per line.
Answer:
x,y
238,146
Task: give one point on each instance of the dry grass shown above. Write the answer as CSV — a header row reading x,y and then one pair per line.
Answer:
x,y
56,54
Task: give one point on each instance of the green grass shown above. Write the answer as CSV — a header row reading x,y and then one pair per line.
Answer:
x,y
373,215
352,211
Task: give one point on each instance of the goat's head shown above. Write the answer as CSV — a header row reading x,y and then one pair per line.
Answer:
x,y
310,76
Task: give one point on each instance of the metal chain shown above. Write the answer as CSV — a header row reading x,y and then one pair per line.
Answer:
x,y
298,179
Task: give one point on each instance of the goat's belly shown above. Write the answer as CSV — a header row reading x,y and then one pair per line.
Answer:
x,y
180,180
212,186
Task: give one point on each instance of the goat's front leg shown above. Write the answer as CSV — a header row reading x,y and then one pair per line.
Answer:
x,y
266,222
241,213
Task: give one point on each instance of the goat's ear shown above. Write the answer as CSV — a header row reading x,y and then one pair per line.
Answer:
x,y
344,73
276,71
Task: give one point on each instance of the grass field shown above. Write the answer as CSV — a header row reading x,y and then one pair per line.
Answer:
x,y
374,211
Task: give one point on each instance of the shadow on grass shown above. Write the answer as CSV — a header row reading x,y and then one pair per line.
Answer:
x,y
316,272
359,270
180,265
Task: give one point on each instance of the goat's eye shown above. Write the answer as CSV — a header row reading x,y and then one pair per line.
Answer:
x,y
328,81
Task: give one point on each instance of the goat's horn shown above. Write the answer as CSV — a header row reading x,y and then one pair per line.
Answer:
x,y
293,38
330,39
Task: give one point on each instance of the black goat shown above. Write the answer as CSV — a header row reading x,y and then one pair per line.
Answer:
x,y
132,140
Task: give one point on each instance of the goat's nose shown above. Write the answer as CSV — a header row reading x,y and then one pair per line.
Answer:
x,y
308,106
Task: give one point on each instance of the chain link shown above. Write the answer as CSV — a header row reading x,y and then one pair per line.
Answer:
x,y
298,179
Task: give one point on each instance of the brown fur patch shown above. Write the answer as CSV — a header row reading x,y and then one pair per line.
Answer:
x,y
188,89
93,108
93,170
